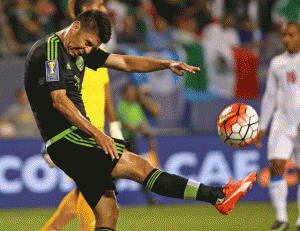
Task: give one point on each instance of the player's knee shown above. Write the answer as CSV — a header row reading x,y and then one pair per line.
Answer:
x,y
144,167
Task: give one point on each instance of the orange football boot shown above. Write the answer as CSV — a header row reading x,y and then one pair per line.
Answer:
x,y
233,192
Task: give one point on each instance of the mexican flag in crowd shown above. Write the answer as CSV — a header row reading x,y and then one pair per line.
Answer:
x,y
225,73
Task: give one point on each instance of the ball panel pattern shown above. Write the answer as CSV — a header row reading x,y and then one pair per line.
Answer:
x,y
238,125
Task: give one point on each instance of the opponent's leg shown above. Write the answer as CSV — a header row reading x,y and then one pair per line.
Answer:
x,y
66,211
278,191
86,216
134,167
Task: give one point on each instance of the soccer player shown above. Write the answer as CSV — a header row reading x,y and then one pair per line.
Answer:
x,y
96,95
281,103
54,72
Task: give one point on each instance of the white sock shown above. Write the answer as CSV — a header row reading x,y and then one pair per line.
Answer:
x,y
298,203
278,191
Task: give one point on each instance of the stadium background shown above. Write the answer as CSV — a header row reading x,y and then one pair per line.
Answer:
x,y
185,129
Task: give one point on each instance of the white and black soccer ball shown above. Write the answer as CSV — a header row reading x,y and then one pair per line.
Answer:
x,y
238,125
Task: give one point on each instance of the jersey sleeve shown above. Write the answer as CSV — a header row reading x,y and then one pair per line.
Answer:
x,y
54,67
268,104
95,59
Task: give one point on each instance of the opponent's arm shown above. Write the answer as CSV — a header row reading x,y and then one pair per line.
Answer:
x,y
268,105
141,64
114,124
64,105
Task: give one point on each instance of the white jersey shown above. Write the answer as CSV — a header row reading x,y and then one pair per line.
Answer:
x,y
282,96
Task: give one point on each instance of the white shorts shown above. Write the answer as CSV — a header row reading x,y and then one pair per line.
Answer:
x,y
283,139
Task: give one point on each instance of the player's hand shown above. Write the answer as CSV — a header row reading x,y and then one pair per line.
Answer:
x,y
108,145
178,67
258,142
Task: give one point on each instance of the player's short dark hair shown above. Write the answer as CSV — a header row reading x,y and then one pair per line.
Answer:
x,y
295,23
96,21
75,6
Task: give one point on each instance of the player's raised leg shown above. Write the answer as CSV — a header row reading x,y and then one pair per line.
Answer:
x,y
134,167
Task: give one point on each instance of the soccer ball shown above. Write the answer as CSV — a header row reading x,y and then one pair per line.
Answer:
x,y
238,125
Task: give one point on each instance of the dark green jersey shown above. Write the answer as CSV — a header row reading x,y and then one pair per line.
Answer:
x,y
49,67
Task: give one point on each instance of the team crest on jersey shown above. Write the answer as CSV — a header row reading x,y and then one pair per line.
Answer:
x,y
52,71
80,63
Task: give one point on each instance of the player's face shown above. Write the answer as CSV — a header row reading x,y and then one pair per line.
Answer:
x,y
81,42
291,38
96,5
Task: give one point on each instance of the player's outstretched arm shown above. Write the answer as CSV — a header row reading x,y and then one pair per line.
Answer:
x,y
141,64
65,106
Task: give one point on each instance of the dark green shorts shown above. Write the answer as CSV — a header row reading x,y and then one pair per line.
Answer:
x,y
78,155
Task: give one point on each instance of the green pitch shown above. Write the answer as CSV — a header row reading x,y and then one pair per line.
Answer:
x,y
246,216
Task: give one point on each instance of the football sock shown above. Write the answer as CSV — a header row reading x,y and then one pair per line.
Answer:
x,y
65,213
171,185
104,229
278,191
86,216
298,203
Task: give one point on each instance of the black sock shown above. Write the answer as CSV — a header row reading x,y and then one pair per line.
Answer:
x,y
104,229
171,185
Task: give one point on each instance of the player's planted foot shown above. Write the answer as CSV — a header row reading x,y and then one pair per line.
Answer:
x,y
280,226
233,192
298,228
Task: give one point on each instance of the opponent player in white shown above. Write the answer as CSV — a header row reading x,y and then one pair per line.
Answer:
x,y
281,102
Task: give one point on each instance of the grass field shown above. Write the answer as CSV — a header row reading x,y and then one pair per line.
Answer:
x,y
246,216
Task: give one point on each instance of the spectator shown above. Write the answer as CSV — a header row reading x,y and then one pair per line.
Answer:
x,y
19,116
198,10
133,121
249,37
223,33
151,108
272,45
21,15
186,31
160,35
169,9
118,11
8,42
46,12
128,35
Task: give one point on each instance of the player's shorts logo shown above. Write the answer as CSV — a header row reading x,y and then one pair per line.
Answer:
x,y
52,71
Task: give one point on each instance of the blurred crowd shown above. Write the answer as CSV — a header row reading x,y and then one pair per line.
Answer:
x,y
150,24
